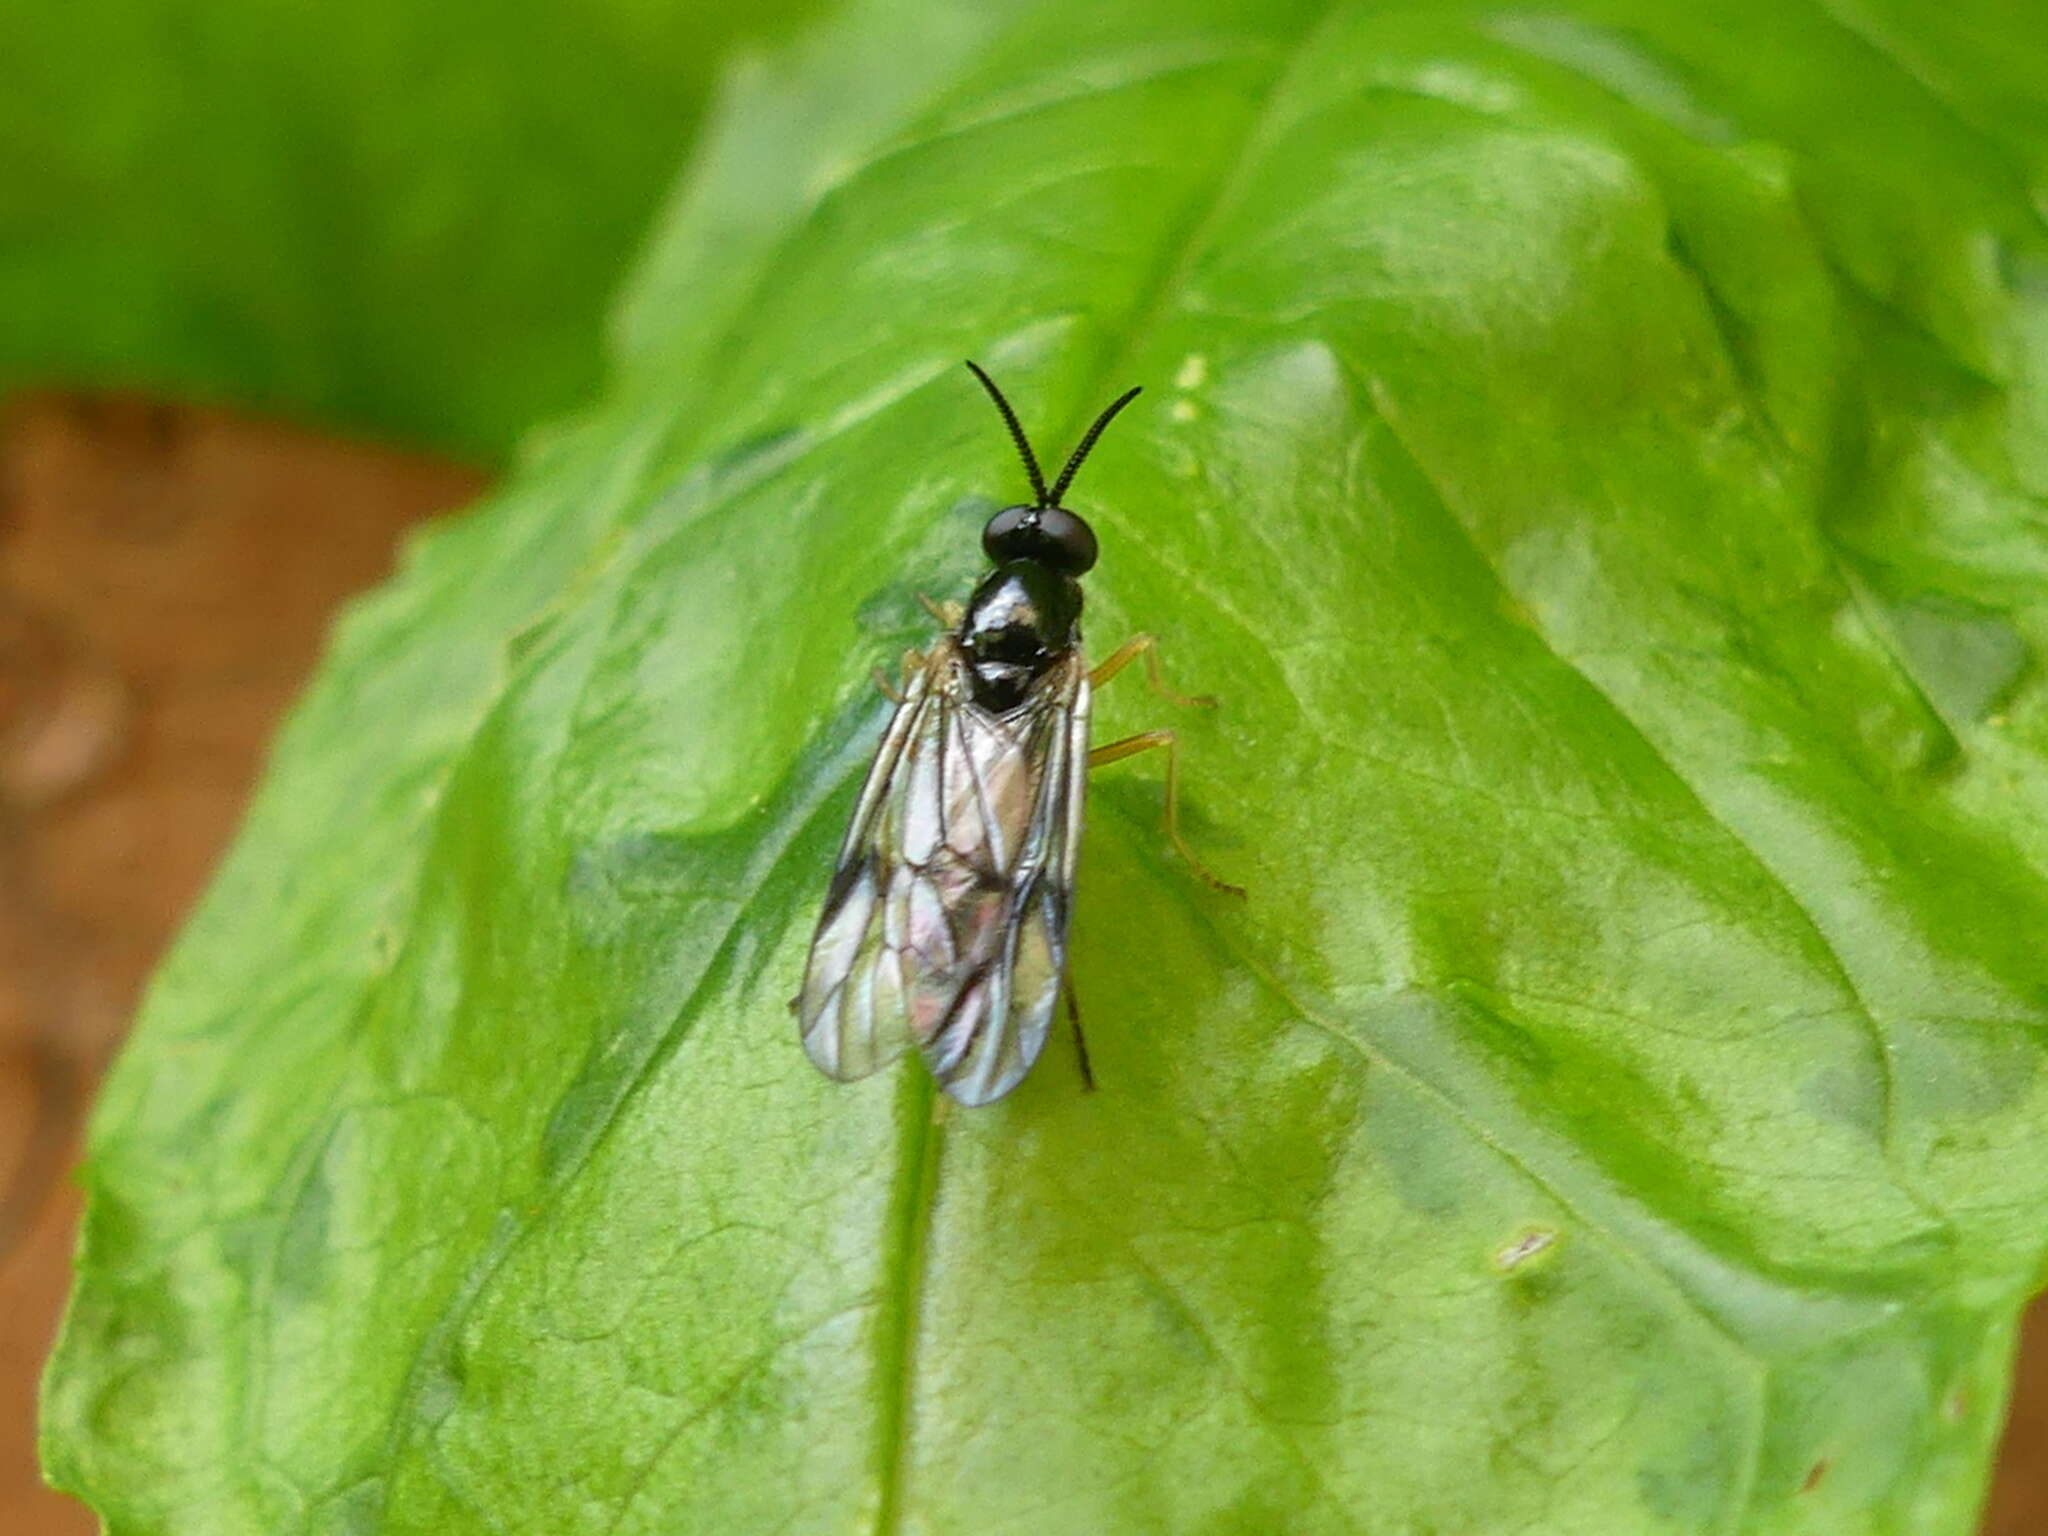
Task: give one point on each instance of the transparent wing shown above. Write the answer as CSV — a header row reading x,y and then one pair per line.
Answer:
x,y
994,885
947,921
851,1011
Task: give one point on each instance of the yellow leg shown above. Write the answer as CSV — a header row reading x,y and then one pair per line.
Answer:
x,y
912,660
1146,741
1147,646
947,613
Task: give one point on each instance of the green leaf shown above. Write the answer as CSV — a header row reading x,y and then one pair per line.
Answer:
x,y
1597,454
394,216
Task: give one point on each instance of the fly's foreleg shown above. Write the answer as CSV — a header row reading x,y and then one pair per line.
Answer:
x,y
1147,646
893,692
1166,741
948,613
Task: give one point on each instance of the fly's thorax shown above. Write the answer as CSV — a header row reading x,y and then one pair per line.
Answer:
x,y
1022,618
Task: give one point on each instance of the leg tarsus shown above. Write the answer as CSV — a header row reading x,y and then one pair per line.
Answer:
x,y
1168,742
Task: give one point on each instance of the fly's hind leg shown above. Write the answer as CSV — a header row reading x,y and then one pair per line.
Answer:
x,y
1145,645
1146,741
1080,1040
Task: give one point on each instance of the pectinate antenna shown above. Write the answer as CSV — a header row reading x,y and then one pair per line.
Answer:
x,y
1017,436
1087,442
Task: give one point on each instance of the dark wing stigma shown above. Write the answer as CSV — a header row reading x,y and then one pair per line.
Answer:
x,y
946,926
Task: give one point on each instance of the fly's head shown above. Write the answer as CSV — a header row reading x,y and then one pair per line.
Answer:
x,y
1049,536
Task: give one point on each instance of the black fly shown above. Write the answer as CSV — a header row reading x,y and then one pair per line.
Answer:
x,y
946,923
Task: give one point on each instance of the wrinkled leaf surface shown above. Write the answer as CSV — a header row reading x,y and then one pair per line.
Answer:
x,y
1597,455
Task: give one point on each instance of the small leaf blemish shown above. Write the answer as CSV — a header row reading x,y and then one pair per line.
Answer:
x,y
1183,410
1523,1247
1194,372
1814,1474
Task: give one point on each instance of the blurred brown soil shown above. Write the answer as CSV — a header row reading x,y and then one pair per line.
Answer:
x,y
166,578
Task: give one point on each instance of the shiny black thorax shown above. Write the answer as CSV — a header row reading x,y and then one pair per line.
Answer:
x,y
1021,620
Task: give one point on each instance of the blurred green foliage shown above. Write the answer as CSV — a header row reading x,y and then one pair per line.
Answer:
x,y
1598,452
402,218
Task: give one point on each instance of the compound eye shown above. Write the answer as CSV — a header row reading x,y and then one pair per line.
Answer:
x,y
1010,534
1050,536
1071,542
